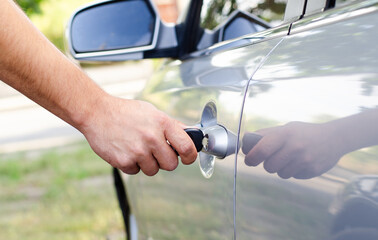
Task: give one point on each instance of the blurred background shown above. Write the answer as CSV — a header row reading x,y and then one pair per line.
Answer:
x,y
52,186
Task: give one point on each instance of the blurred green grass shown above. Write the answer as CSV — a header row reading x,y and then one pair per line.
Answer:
x,y
63,193
54,17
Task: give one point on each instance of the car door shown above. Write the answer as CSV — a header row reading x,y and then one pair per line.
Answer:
x,y
323,74
183,203
208,86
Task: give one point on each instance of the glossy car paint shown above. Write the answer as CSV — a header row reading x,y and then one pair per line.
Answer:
x,y
309,77
193,206
325,70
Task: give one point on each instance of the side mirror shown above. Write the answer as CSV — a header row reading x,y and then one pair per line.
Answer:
x,y
118,30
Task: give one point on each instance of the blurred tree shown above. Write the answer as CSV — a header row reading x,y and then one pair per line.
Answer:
x,y
270,10
30,7
275,6
218,10
52,17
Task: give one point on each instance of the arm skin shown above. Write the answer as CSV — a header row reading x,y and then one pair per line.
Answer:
x,y
130,135
306,150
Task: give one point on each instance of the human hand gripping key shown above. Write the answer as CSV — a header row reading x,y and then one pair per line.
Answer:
x,y
134,136
130,135
306,150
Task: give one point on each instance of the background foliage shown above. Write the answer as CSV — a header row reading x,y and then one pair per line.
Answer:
x,y
30,7
216,11
51,16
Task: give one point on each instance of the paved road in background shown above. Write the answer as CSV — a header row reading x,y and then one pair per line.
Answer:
x,y
24,125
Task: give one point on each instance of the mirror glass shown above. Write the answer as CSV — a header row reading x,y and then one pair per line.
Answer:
x,y
113,25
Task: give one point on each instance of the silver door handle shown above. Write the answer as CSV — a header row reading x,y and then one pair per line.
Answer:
x,y
214,140
218,141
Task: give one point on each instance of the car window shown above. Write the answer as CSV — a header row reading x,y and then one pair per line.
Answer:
x,y
214,12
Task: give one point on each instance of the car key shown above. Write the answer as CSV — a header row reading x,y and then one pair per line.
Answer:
x,y
197,137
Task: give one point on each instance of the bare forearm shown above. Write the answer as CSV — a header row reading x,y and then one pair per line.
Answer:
x,y
33,66
117,130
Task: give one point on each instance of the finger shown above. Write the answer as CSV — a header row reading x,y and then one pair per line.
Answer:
x,y
130,170
263,150
149,165
291,169
305,174
309,171
166,157
181,141
278,160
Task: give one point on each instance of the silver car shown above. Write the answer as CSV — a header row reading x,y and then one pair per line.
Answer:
x,y
284,96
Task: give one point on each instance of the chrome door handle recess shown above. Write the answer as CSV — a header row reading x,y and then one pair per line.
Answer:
x,y
214,140
218,141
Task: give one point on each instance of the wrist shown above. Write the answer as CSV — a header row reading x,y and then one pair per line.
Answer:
x,y
95,102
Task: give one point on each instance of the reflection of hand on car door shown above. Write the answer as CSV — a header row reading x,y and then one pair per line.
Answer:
x,y
306,150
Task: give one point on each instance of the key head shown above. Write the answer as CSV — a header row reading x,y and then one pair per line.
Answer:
x,y
197,136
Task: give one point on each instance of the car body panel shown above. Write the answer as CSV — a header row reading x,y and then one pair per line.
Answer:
x,y
196,205
315,68
323,71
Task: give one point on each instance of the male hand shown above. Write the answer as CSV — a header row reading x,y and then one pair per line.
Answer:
x,y
132,136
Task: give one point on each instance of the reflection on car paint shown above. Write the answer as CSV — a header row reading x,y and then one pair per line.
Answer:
x,y
192,198
327,73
